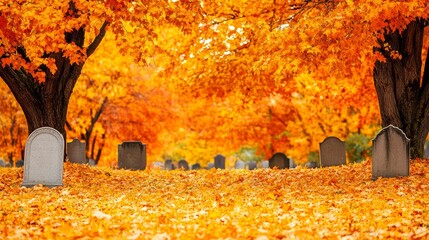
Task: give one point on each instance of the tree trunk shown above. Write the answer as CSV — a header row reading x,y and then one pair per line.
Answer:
x,y
44,104
403,94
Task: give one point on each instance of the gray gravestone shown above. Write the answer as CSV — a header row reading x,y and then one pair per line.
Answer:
x,y
19,163
426,154
292,163
252,165
210,166
240,164
311,164
2,162
265,164
183,164
332,152
76,151
44,158
196,166
132,155
91,162
219,161
168,164
279,160
390,153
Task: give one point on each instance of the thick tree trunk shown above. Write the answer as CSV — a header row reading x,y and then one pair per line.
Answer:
x,y
44,104
402,94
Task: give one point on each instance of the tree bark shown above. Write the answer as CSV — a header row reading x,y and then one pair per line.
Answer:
x,y
403,94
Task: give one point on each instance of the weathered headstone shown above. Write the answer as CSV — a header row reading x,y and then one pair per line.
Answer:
x,y
251,165
390,153
219,161
44,158
210,166
279,160
332,152
168,164
2,162
132,155
183,164
19,163
239,164
311,165
157,165
292,163
76,151
265,164
426,154
91,162
196,166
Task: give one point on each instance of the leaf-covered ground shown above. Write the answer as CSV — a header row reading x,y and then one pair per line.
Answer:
x,y
331,203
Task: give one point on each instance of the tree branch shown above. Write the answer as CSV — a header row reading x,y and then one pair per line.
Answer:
x,y
91,48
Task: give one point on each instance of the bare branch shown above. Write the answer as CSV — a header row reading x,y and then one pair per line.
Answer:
x,y
91,48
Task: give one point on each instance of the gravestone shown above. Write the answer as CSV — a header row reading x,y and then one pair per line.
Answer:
x,y
44,158
196,166
183,164
19,163
332,152
210,166
265,164
157,165
239,164
390,153
311,164
252,165
76,151
279,160
219,161
426,154
132,155
91,162
2,162
292,163
168,164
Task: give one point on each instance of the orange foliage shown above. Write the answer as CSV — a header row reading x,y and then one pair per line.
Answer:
x,y
13,129
131,104
335,202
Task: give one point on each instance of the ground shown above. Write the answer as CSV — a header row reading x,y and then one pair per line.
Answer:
x,y
334,202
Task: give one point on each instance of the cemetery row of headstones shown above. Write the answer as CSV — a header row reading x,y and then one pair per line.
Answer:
x,y
44,154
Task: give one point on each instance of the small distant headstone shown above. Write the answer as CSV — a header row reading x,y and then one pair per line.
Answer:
x,y
265,164
2,163
91,162
19,163
332,152
183,164
157,165
252,165
76,151
426,155
44,158
239,164
168,164
210,166
219,161
390,153
292,164
196,166
311,164
132,155
279,160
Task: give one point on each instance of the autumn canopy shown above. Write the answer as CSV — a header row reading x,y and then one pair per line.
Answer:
x,y
269,75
